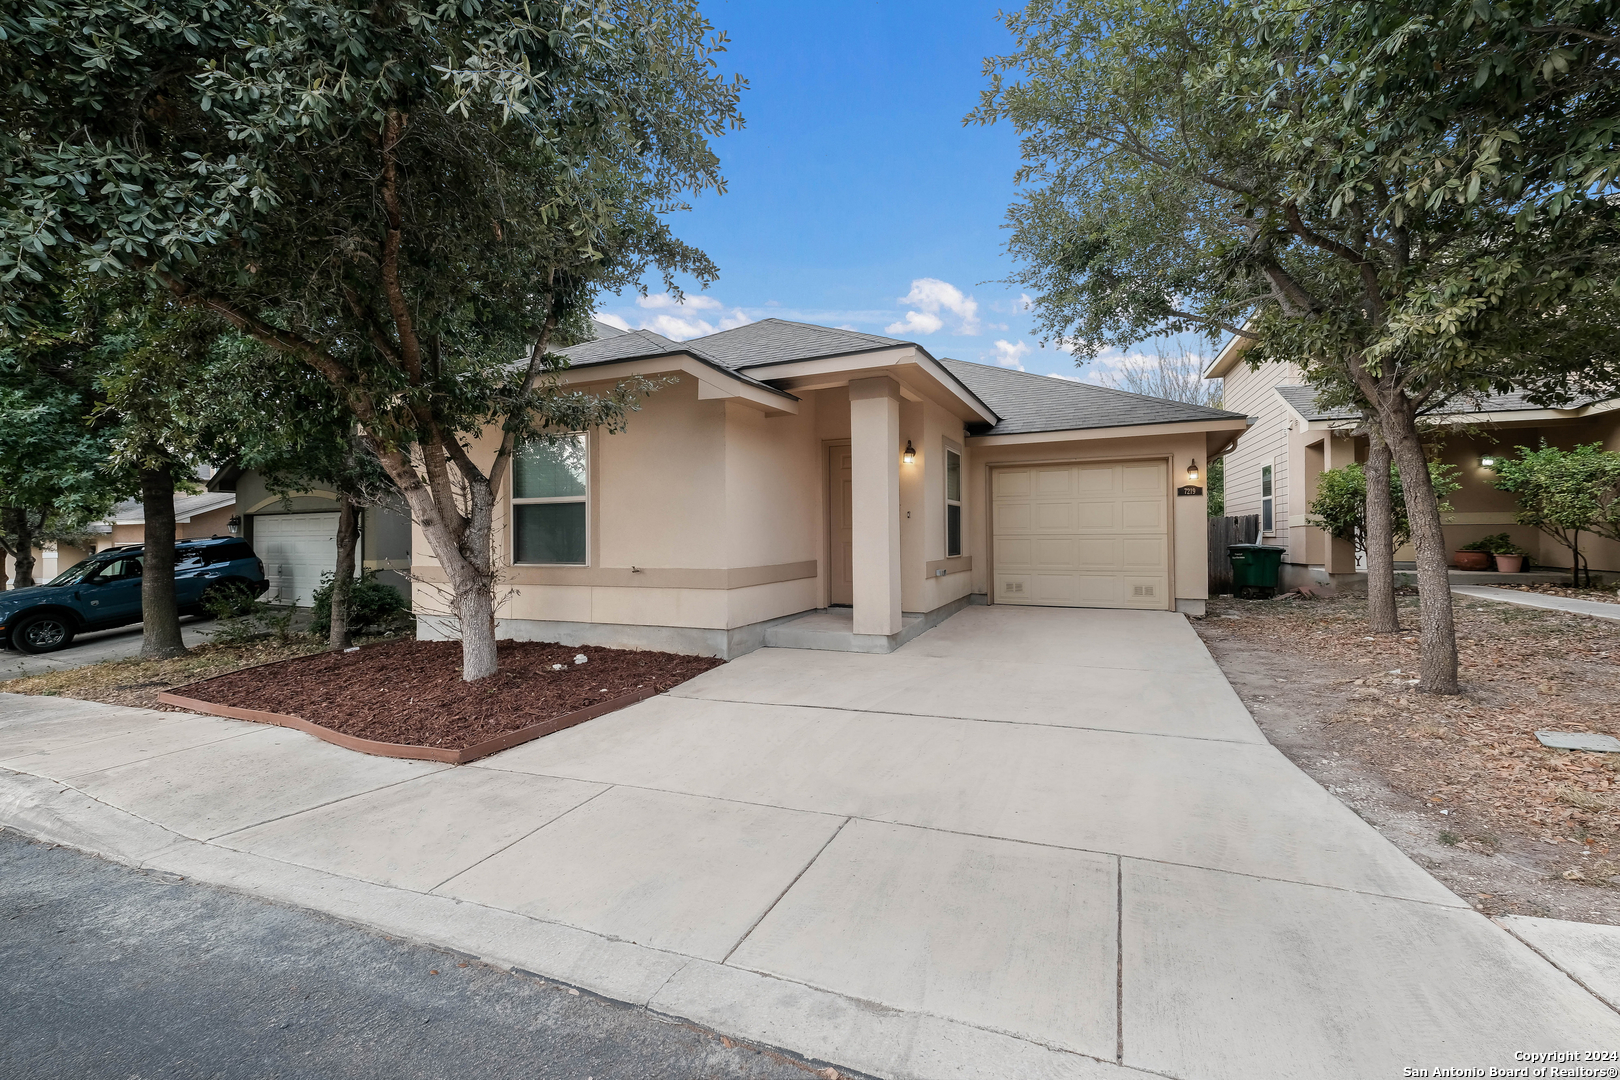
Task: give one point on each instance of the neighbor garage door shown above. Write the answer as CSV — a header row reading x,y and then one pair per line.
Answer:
x,y
296,549
1082,535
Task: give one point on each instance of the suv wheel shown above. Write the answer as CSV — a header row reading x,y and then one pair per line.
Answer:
x,y
42,633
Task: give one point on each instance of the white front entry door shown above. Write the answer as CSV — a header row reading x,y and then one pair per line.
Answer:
x,y
296,550
1082,535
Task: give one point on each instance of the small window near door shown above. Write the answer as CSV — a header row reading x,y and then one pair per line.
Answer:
x,y
1267,524
549,492
953,503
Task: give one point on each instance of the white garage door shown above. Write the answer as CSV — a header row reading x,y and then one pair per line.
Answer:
x,y
296,549
1082,535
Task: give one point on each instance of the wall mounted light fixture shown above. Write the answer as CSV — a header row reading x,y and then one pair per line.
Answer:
x,y
911,453
1488,460
1192,469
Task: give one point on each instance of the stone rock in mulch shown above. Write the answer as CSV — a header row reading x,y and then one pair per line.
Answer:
x,y
411,691
1579,740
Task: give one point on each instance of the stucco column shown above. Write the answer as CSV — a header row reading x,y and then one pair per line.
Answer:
x,y
874,436
1338,452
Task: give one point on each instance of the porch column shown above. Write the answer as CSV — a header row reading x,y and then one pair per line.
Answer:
x,y
874,436
1338,451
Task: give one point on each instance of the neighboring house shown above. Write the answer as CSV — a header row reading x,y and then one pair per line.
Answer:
x,y
783,468
296,536
207,514
1273,470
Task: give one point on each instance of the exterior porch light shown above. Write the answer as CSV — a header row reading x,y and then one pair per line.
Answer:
x,y
1192,469
1488,461
911,453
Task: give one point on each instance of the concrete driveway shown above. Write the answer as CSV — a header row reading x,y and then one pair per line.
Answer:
x,y
92,648
1032,842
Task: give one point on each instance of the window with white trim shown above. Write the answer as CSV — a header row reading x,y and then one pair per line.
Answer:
x,y
550,485
953,503
1268,522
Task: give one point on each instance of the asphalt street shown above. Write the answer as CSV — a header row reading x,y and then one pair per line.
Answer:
x,y
128,975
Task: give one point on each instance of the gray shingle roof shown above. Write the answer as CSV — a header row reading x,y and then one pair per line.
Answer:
x,y
186,507
1030,403
1302,399
769,341
778,341
605,330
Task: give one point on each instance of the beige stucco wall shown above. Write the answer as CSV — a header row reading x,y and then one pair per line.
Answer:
x,y
1189,535
663,530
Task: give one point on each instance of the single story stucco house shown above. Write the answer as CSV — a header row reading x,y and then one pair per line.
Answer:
x,y
827,488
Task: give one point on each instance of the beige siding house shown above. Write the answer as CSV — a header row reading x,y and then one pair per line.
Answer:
x,y
1297,440
799,484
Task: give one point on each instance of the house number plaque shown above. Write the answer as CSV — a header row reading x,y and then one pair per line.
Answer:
x,y
1189,490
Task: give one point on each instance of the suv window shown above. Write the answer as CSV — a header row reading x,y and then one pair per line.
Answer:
x,y
229,552
117,569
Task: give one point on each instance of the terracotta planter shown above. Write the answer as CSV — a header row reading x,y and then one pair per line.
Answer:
x,y
1509,564
1472,560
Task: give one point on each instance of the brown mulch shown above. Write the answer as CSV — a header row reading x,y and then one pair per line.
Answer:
x,y
1460,783
411,692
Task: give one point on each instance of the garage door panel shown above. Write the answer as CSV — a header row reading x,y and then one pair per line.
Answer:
x,y
1141,514
1096,480
1012,483
1012,517
1054,516
1082,535
1097,554
1139,553
1015,554
1144,592
1147,479
1056,554
1097,515
1012,589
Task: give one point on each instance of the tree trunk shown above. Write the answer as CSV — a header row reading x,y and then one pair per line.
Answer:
x,y
1382,615
160,616
17,525
1438,672
466,561
348,536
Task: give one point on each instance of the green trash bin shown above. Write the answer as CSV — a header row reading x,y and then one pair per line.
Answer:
x,y
1255,566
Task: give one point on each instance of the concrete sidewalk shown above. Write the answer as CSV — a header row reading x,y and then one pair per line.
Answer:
x,y
1596,608
1031,842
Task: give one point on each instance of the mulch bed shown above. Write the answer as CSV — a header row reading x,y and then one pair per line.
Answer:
x,y
411,692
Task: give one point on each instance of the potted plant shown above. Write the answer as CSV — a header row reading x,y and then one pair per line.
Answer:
x,y
1475,556
1508,555
1499,546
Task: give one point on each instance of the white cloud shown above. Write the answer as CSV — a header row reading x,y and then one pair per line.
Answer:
x,y
1024,302
683,327
1009,354
664,302
933,298
611,320
916,322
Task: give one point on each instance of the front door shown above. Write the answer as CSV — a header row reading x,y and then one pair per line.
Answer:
x,y
841,480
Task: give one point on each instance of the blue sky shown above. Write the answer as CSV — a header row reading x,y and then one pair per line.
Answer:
x,y
856,197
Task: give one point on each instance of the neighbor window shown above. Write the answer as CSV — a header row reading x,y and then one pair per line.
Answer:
x,y
1266,501
549,489
953,503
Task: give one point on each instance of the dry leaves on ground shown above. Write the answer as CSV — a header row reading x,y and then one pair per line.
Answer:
x,y
1522,669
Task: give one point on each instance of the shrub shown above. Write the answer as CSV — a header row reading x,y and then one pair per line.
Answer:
x,y
1565,493
1340,505
1495,544
371,604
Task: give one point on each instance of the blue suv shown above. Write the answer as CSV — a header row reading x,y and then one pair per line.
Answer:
x,y
104,591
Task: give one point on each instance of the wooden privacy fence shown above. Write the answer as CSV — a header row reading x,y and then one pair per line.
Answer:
x,y
1224,532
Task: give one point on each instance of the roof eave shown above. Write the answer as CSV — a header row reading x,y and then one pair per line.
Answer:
x,y
1115,431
